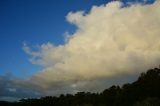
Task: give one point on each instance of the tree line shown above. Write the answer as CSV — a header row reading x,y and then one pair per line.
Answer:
x,y
145,91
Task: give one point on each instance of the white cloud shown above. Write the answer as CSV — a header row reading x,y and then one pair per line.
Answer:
x,y
12,89
109,42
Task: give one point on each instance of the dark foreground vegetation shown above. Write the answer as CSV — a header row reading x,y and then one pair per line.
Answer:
x,y
143,92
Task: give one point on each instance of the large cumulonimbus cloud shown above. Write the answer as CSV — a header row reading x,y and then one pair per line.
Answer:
x,y
110,42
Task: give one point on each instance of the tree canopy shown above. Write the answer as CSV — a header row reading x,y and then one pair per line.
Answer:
x,y
145,91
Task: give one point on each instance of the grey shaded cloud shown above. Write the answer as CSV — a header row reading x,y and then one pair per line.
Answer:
x,y
11,91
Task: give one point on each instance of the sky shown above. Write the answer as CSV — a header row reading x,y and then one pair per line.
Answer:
x,y
34,22
49,47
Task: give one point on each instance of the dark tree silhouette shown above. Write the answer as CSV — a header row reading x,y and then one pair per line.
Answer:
x,y
143,92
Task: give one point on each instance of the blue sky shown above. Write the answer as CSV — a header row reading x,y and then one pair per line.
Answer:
x,y
37,22
34,22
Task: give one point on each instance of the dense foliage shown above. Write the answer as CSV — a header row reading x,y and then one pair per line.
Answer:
x,y
143,92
